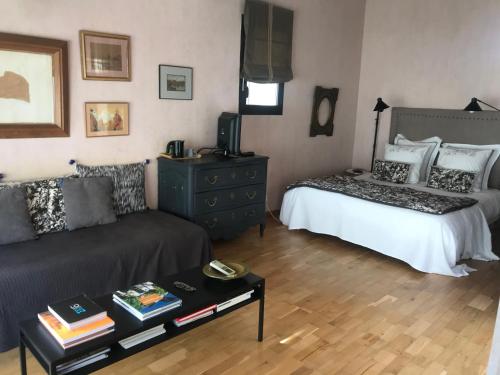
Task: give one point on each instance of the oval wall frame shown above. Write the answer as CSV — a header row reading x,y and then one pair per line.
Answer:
x,y
320,94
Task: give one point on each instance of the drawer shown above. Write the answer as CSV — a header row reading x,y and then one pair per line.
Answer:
x,y
251,174
217,200
211,179
224,223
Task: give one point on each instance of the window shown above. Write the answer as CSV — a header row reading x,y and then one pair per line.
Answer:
x,y
259,98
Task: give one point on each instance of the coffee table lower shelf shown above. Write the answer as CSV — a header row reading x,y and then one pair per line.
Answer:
x,y
47,352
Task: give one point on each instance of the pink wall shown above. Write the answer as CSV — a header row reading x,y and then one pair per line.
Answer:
x,y
203,34
425,53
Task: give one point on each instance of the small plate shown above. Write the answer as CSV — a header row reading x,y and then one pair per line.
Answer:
x,y
240,268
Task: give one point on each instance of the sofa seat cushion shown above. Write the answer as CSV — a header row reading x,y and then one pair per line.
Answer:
x,y
97,260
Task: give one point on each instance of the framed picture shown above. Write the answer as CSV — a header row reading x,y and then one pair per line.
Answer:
x,y
105,56
176,82
106,119
34,89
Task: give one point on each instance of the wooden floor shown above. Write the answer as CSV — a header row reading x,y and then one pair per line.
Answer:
x,y
332,308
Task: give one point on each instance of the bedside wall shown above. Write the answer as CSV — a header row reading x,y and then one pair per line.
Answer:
x,y
427,54
203,34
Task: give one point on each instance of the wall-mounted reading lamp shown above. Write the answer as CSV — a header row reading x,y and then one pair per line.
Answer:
x,y
473,106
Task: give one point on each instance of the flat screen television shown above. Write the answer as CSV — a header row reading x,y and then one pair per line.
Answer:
x,y
229,133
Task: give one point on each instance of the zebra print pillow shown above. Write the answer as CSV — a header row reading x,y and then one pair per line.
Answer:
x,y
129,193
45,204
391,171
454,180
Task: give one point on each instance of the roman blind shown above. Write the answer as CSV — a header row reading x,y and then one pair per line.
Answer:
x,y
267,56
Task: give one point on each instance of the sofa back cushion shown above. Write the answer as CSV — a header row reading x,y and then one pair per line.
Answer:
x,y
15,222
129,193
88,201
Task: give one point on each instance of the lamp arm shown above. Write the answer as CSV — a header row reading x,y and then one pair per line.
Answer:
x,y
489,105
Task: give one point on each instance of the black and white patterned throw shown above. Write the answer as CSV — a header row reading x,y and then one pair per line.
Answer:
x,y
397,196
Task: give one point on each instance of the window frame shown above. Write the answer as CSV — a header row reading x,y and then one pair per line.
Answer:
x,y
246,109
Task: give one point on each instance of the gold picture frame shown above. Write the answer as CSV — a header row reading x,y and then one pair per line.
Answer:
x,y
105,56
34,87
104,119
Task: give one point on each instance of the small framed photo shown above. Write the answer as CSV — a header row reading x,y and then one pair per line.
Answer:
x,y
105,56
176,82
106,119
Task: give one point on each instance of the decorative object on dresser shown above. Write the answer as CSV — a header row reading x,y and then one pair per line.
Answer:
x,y
379,107
473,106
353,172
105,119
176,82
323,111
223,195
105,56
34,87
213,299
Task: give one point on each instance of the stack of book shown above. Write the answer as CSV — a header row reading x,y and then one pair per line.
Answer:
x,y
183,320
146,300
80,362
76,320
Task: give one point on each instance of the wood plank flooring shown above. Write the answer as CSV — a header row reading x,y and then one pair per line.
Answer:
x,y
332,308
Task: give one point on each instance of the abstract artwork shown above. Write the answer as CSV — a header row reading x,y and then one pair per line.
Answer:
x,y
106,119
176,82
33,87
105,56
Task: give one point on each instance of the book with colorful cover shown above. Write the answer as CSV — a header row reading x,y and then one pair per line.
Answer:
x,y
146,299
67,337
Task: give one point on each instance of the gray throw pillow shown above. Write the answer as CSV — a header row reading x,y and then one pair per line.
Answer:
x,y
88,201
15,221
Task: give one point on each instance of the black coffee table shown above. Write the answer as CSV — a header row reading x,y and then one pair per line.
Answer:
x,y
209,291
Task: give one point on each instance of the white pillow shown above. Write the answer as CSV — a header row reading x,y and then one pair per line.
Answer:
x,y
469,160
413,155
491,161
432,143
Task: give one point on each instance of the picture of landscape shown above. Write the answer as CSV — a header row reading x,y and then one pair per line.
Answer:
x,y
176,82
106,119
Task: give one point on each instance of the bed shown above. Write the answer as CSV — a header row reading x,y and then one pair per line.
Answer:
x,y
427,242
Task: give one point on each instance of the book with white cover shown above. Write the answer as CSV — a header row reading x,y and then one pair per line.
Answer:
x,y
233,301
84,360
151,315
142,336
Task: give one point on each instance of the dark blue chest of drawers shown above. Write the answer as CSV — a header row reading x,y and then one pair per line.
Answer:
x,y
223,195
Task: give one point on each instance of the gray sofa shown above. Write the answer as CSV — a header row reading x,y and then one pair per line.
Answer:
x,y
97,260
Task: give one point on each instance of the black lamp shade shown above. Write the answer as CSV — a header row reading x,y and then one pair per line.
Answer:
x,y
380,106
473,106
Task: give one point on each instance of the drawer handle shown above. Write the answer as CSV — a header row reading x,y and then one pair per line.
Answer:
x,y
253,175
250,213
211,203
251,195
212,224
212,180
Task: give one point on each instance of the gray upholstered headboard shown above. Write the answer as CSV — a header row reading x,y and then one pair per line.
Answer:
x,y
452,125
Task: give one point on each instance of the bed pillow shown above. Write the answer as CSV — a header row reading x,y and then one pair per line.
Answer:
x,y
413,155
15,221
45,204
469,160
391,171
88,201
491,161
129,193
432,144
453,180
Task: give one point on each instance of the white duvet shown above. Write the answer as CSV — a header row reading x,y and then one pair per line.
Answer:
x,y
427,242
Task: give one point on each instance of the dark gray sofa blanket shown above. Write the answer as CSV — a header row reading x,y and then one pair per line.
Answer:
x,y
98,260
